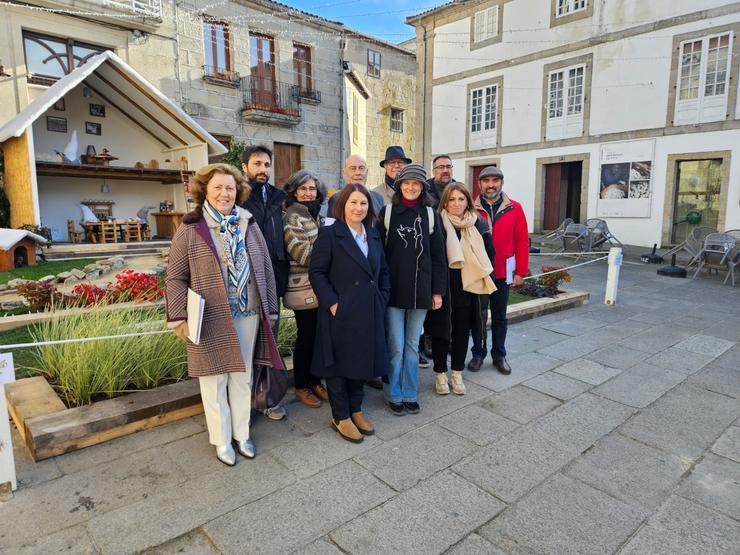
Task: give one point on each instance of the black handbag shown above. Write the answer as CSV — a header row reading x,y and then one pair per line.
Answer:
x,y
269,387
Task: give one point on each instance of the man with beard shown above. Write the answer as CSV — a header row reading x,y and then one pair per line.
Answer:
x,y
265,203
510,239
441,177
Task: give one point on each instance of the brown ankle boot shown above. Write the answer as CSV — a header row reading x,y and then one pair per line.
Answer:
x,y
363,424
347,430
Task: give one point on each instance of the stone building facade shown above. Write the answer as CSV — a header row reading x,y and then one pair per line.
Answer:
x,y
251,70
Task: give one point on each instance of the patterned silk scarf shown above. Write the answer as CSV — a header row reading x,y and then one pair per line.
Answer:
x,y
237,261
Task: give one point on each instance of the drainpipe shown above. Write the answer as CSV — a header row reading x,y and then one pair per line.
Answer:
x,y
424,101
342,71
177,53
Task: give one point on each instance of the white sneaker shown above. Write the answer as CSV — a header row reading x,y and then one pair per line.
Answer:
x,y
275,413
440,384
458,387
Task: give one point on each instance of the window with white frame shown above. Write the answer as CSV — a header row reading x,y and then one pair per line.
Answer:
x,y
565,99
703,75
483,103
485,24
396,120
567,7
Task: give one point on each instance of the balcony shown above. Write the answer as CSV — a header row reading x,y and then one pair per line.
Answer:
x,y
308,96
219,76
269,101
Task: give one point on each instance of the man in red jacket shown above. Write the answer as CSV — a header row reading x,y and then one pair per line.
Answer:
x,y
510,241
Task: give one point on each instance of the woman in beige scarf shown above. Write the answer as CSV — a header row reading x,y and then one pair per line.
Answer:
x,y
470,266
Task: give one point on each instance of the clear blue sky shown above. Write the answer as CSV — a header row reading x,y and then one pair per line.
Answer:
x,y
382,18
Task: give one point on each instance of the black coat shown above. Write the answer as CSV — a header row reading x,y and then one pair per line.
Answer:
x,y
417,261
439,321
435,193
350,344
269,218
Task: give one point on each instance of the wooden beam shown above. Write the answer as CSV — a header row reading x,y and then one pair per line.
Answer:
x,y
53,169
18,176
129,116
154,99
143,110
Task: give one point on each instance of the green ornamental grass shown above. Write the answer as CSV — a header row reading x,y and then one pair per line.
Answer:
x,y
83,371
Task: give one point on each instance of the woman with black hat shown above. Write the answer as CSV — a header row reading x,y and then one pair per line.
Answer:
x,y
414,247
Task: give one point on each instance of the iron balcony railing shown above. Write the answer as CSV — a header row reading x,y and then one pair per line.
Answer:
x,y
270,96
148,8
308,94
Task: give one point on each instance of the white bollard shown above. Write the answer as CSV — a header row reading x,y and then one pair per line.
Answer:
x,y
612,276
7,463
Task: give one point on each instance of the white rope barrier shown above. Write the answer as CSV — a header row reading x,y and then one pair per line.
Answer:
x,y
566,253
567,267
81,339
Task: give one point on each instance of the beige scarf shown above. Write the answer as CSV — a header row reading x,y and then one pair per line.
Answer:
x,y
468,253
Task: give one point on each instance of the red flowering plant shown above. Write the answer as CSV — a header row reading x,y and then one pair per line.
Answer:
x,y
89,294
135,286
39,294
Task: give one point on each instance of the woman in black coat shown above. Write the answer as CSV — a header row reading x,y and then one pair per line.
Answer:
x,y
470,258
349,275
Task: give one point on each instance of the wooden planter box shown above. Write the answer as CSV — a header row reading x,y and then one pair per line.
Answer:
x,y
49,428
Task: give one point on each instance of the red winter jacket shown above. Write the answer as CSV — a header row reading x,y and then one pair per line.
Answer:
x,y
510,236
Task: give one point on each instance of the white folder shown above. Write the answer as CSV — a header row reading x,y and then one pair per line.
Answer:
x,y
196,304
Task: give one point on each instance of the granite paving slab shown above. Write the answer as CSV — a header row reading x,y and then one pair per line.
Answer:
x,y
563,515
730,359
29,473
70,540
523,367
477,424
719,379
629,470
587,371
475,545
452,508
79,497
575,347
641,385
192,543
728,444
530,339
520,404
312,507
705,345
557,385
683,526
167,514
573,326
715,483
322,546
406,460
680,360
617,356
658,338
685,421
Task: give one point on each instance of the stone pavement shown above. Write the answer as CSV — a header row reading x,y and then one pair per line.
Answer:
x,y
618,432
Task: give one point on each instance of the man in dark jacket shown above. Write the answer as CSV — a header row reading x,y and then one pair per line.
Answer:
x,y
441,177
511,243
265,203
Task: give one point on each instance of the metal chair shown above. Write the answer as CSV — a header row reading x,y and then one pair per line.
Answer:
x,y
556,235
599,234
693,244
715,253
575,238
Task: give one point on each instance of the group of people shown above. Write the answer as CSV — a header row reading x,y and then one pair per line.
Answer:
x,y
384,279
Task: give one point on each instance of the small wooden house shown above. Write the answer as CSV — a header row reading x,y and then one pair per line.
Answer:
x,y
18,248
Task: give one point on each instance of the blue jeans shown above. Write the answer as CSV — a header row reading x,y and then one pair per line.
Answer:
x,y
403,327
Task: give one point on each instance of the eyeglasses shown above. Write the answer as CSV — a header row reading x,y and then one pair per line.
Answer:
x,y
395,163
306,189
443,167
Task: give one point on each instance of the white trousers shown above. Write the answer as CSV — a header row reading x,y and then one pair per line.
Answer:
x,y
227,398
